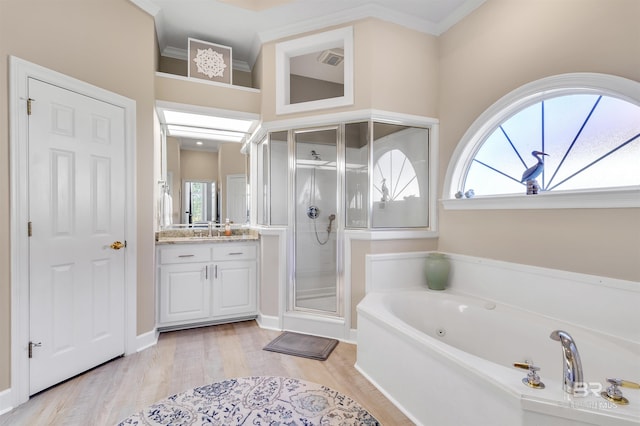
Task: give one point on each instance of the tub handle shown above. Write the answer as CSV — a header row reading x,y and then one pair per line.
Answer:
x,y
614,394
533,379
524,365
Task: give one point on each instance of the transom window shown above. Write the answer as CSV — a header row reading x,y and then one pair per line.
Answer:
x,y
588,127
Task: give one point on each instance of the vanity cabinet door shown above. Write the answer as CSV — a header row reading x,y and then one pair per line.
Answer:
x,y
185,292
234,288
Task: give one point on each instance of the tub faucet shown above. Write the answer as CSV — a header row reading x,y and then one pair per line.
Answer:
x,y
571,367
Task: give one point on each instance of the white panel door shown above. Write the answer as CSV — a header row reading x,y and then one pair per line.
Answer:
x,y
76,207
236,199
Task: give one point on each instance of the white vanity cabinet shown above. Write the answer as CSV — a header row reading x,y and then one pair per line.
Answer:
x,y
234,279
206,283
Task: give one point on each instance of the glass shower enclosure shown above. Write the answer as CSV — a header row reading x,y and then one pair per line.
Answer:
x,y
323,183
317,223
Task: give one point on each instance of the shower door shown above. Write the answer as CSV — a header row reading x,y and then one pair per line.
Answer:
x,y
316,278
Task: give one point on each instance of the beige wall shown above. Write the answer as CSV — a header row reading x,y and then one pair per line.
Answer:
x,y
501,46
198,165
359,251
207,95
404,68
396,69
81,39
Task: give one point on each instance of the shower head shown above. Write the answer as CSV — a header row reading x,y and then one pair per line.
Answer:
x,y
315,155
332,217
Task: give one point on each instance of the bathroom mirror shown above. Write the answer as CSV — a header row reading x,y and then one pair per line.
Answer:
x,y
199,202
204,168
315,72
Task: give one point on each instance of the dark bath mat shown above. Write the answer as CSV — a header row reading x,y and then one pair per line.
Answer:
x,y
302,345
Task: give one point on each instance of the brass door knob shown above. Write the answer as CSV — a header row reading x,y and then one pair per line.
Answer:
x,y
117,245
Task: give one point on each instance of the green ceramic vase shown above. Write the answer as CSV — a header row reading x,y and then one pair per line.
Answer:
x,y
437,268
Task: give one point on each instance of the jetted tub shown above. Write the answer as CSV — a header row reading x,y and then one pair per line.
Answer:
x,y
447,359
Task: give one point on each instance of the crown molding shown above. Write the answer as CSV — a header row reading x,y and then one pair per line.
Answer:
x,y
345,16
148,6
358,13
339,18
465,9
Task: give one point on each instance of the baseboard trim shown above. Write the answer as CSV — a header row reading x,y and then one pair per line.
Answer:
x,y
269,322
147,340
6,401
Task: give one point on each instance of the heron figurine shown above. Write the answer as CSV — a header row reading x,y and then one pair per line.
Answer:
x,y
532,172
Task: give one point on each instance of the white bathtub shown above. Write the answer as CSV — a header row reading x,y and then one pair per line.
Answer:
x,y
446,358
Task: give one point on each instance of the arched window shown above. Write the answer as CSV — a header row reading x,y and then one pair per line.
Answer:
x,y
588,125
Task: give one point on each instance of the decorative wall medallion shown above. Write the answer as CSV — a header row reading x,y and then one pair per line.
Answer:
x,y
209,61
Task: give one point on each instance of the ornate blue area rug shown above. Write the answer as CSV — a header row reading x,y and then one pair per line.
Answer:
x,y
255,401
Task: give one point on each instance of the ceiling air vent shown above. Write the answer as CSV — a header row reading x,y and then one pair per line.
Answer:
x,y
333,57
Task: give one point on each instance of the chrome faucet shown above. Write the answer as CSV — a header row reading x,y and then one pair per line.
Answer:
x,y
571,367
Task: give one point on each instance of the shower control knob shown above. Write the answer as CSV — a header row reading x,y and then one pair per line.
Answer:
x,y
313,212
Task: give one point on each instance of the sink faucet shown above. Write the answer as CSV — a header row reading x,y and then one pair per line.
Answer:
x,y
571,367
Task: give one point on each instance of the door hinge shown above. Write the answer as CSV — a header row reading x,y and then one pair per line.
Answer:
x,y
29,105
29,229
33,345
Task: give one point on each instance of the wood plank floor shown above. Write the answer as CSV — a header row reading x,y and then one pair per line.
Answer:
x,y
185,359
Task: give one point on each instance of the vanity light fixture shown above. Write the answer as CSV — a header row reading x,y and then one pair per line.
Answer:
x,y
207,121
204,133
189,122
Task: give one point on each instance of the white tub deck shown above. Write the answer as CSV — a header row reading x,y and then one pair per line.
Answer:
x,y
466,376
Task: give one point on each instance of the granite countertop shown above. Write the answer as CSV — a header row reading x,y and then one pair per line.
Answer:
x,y
203,240
201,236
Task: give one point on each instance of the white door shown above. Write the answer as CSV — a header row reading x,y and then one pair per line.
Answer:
x,y
76,208
236,198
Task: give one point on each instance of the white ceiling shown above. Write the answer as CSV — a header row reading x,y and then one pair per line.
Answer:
x,y
246,24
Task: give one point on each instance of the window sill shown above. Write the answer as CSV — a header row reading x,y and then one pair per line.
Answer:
x,y
605,198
